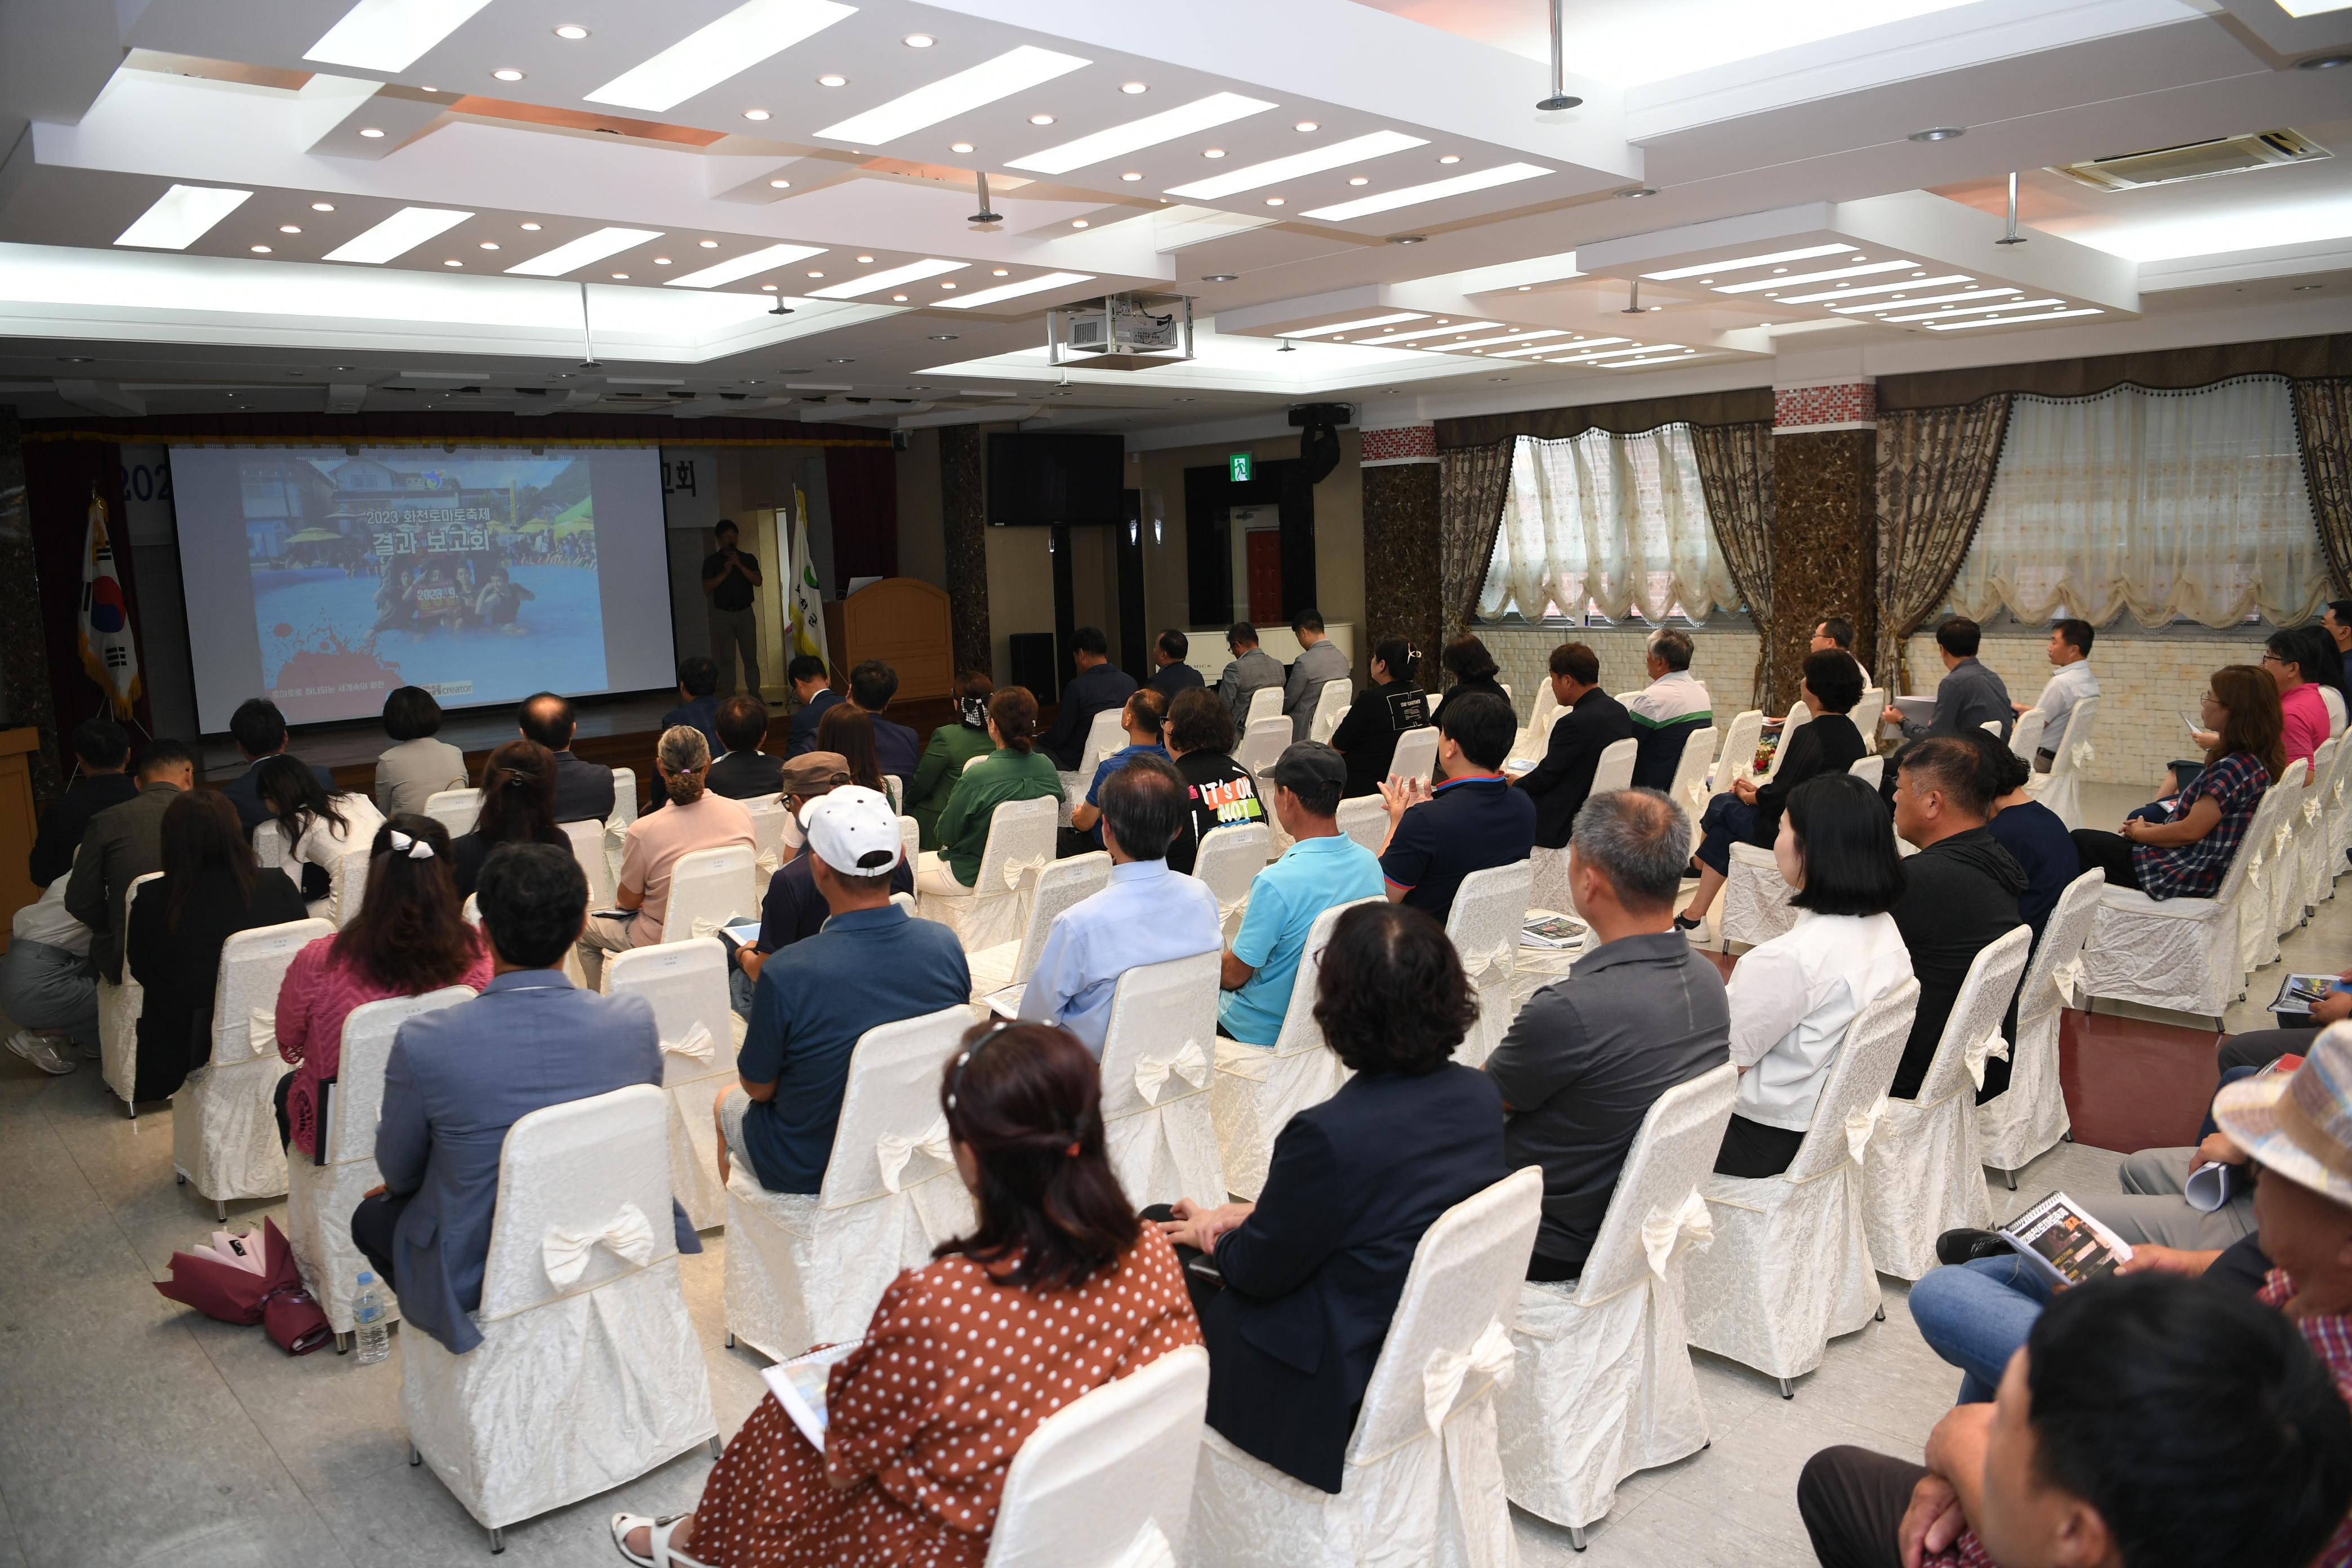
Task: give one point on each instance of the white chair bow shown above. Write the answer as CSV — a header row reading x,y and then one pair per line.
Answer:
x,y
628,1235
1665,1229
1189,1062
1448,1371
1017,867
1227,911
2310,809
1860,1125
697,1043
2066,977
261,1031
1150,1549
704,925
2082,756
1475,965
767,861
893,1152
1992,1045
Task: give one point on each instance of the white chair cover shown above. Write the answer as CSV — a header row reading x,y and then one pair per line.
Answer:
x,y
1266,702
1615,769
708,888
2333,700
1797,718
687,983
2025,738
910,845
1424,1481
1059,885
1331,701
225,1118
1259,1087
1229,860
2015,1126
1871,770
1107,1479
588,848
803,1269
319,1198
1790,1269
2190,955
119,1007
768,818
1105,735
1158,1054
1689,787
990,911
1489,908
2061,789
1738,754
589,1373
2286,880
454,809
1264,742
1756,907
349,881
1869,714
1416,755
624,811
1607,1351
1923,1173
2313,835
897,789
1365,819
1534,741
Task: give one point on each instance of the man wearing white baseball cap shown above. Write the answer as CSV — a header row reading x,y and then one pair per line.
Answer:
x,y
871,964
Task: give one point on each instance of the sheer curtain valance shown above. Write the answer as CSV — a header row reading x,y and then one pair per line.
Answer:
x,y
1618,523
2167,504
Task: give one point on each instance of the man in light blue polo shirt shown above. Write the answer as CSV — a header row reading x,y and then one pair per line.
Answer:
x,y
1149,914
1322,868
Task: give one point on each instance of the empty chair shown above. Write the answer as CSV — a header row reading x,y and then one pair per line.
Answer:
x,y
588,1373
1365,818
1230,858
1112,1469
225,1118
1105,735
1330,707
2061,789
1615,769
1158,1128
2030,1116
709,888
1756,907
588,848
457,809
990,911
1689,787
686,981
1263,743
1266,702
809,1268
1790,1268
1607,1350
117,1016
1739,754
1798,717
1416,755
1870,770
2026,738
1059,885
1483,924
1422,1480
768,818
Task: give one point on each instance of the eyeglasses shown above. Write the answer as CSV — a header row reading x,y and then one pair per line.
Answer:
x,y
2270,658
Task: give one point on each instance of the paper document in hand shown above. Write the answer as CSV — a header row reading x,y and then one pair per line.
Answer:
x,y
2296,993
1918,709
799,1385
1006,1003
2066,1245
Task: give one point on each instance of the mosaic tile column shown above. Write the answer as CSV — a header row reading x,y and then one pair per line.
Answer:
x,y
963,508
1402,551
24,660
1824,524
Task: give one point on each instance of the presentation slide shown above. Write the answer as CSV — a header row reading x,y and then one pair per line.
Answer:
x,y
322,578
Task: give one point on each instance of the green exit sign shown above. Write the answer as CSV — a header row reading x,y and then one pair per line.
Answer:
x,y
1239,463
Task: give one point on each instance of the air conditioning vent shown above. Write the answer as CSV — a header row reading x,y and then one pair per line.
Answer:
x,y
2196,161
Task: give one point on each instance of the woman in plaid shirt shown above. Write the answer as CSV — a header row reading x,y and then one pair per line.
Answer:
x,y
2186,852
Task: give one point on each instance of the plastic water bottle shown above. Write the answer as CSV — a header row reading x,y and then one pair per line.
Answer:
x,y
369,1319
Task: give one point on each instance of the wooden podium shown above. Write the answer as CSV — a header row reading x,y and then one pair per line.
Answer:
x,y
903,622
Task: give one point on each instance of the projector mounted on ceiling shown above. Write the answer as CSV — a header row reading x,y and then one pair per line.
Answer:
x,y
2196,161
1120,332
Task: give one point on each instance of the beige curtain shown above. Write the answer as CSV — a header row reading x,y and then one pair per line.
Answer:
x,y
1735,470
1473,483
1935,470
2323,424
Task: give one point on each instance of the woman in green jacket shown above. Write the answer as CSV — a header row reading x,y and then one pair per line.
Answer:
x,y
952,747
1015,771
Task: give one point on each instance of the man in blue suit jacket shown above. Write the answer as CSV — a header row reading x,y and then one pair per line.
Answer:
x,y
259,730
459,1078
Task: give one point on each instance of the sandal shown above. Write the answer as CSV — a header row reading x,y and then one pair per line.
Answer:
x,y
657,1534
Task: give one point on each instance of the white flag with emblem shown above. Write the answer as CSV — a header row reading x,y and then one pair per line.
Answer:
x,y
807,634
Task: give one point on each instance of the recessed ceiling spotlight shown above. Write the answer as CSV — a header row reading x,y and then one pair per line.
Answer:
x,y
2309,287
1524,287
1358,180
1498,378
1451,158
1041,120
840,362
1307,125
1771,293
1131,176
709,245
347,367
832,81
1132,88
1939,134
767,288
898,298
919,40
489,244
960,147
1857,258
661,261
1339,340
289,228
1273,201
322,206
260,251
572,31
370,131
1779,270
1077,223
453,261
947,285
1635,193
780,184
943,337
816,274
1657,307
755,114
621,276
864,259
2323,62
1212,152
506,73
1182,400
1706,279
530,228
1407,238
1002,272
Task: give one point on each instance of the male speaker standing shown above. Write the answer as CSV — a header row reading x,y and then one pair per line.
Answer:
x,y
728,576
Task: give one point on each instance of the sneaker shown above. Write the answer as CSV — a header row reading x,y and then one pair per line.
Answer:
x,y
1967,1246
40,1051
1685,924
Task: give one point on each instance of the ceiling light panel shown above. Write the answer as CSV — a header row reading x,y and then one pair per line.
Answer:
x,y
1962,297
1015,71
752,32
1867,270
390,34
1616,354
398,235
1432,332
875,282
1906,284
580,252
1436,190
1948,314
2008,321
1508,338
182,215
1014,290
747,266
1185,120
1709,269
1337,155
1392,318
1680,356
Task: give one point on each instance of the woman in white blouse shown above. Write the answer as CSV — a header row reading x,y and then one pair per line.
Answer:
x,y
1793,997
322,827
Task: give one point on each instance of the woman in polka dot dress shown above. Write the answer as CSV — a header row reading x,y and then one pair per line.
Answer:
x,y
1060,1290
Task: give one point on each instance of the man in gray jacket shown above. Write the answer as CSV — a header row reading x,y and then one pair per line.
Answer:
x,y
1319,662
1252,668
1970,694
122,843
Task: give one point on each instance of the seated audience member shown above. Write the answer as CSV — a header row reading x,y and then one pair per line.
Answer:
x,y
698,700
847,732
695,819
409,938
1099,687
2145,1422
793,910
871,686
2291,657
1960,892
1665,711
2188,852
1171,676
810,684
744,771
1323,867
259,730
47,988
102,778
952,748
1970,695
1466,659
2260,1047
1473,821
1381,712
211,891
1641,1011
2070,654
1837,632
2335,685
416,767
1218,791
1015,770
873,963
1749,813
519,785
1148,914
1252,670
1589,722
1097,1292
322,824
1312,1271
460,1077
584,790
1794,998
2035,835
1319,662
1144,719
122,843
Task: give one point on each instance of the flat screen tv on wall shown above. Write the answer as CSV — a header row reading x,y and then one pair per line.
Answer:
x,y
1041,480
